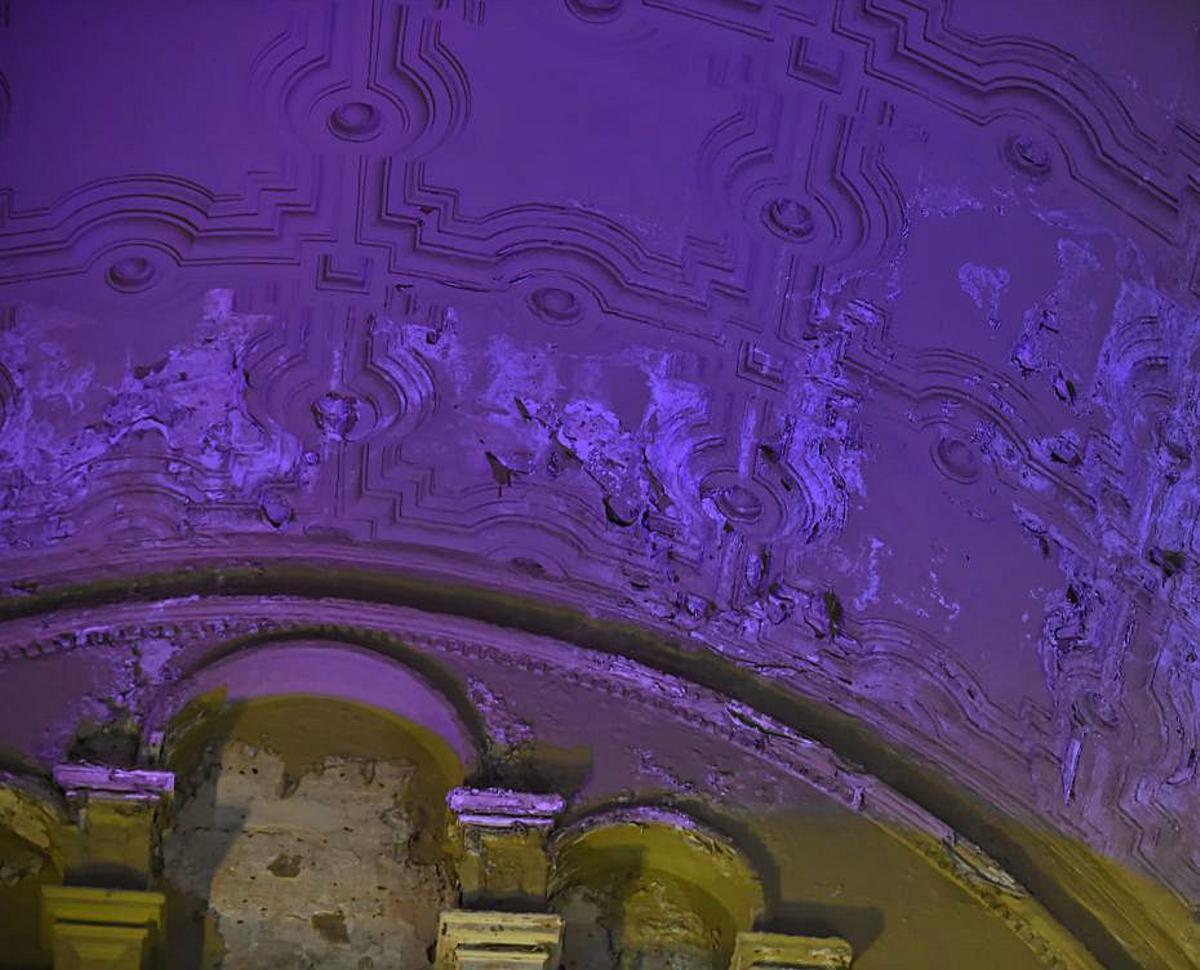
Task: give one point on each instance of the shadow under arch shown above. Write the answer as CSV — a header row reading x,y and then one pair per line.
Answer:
x,y
1117,930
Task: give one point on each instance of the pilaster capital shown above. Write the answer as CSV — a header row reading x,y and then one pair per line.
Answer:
x,y
102,929
85,781
503,808
118,816
472,940
499,837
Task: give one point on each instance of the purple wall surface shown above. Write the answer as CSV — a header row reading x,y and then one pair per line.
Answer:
x,y
841,353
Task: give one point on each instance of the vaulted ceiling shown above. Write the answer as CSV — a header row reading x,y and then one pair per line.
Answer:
x,y
843,353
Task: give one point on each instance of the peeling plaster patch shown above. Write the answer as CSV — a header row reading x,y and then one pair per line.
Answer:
x,y
953,608
1140,471
941,201
152,657
440,341
984,285
517,371
527,428
612,457
1048,327
676,406
650,767
821,438
503,726
187,410
870,592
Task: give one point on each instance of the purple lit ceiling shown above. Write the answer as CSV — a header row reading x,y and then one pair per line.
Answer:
x,y
852,341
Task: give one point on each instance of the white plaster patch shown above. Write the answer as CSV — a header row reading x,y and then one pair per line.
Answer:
x,y
942,201
984,285
870,592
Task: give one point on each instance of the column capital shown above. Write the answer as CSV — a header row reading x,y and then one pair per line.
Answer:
x,y
780,951
499,838
472,940
117,813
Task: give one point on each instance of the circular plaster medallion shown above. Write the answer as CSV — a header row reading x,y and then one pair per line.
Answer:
x,y
355,121
746,504
336,414
595,9
347,120
739,503
555,305
956,459
789,219
130,274
1028,155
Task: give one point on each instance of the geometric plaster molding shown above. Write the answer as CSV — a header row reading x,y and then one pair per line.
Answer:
x,y
778,951
498,941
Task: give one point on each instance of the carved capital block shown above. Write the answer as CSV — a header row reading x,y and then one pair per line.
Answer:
x,y
118,813
499,838
470,940
779,951
102,929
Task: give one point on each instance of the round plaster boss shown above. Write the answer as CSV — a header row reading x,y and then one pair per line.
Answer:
x,y
130,274
355,121
790,219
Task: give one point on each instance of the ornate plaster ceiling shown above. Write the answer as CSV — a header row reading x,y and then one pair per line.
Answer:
x,y
851,342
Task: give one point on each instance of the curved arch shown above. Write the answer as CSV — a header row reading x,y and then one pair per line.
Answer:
x,y
1109,924
34,812
330,665
694,814
626,851
34,849
683,822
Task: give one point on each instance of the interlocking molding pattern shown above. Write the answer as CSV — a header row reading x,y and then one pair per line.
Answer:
x,y
851,344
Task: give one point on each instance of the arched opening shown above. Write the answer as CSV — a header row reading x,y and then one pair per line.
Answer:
x,y
304,823
644,888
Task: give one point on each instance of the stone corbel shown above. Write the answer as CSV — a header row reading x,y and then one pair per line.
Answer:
x,y
118,813
472,940
779,951
87,928
499,839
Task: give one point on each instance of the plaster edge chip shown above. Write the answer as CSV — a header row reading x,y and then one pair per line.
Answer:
x,y
473,939
780,951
